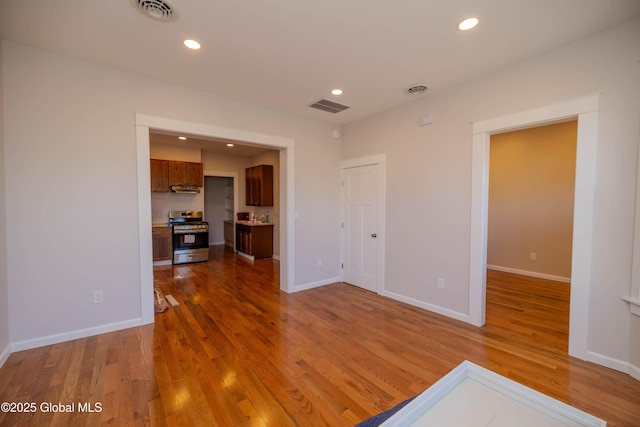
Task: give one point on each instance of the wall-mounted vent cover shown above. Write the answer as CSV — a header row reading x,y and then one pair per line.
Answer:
x,y
158,10
330,106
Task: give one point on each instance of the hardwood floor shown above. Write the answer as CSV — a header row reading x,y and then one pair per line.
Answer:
x,y
238,352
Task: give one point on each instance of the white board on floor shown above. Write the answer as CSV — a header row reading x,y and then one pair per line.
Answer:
x,y
471,396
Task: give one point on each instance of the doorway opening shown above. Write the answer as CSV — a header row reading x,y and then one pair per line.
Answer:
x,y
530,226
531,193
586,110
284,145
220,204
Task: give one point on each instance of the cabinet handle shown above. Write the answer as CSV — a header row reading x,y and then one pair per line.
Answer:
x,y
374,235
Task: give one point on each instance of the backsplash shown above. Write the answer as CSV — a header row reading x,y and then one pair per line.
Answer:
x,y
162,203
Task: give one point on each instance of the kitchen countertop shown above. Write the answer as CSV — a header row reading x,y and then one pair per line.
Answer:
x,y
257,224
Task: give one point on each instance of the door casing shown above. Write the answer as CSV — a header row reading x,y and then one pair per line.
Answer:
x,y
145,122
586,110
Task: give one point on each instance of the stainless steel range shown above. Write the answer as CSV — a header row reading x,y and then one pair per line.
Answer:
x,y
190,236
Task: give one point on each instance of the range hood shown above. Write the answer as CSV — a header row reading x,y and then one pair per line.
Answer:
x,y
185,189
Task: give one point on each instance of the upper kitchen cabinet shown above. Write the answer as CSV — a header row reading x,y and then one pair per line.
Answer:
x,y
159,175
165,173
259,185
186,173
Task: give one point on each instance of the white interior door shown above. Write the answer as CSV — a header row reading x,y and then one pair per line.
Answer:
x,y
361,226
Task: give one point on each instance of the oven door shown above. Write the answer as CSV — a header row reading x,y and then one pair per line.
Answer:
x,y
190,246
190,239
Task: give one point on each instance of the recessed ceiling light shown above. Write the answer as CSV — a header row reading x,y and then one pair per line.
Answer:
x,y
336,92
192,44
184,138
468,24
229,145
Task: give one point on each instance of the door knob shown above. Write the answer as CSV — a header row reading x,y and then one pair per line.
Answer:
x,y
374,235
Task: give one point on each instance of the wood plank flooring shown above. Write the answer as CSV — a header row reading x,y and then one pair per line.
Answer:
x,y
238,352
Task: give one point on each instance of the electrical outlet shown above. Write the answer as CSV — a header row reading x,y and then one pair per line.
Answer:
x,y
440,283
319,263
533,256
98,297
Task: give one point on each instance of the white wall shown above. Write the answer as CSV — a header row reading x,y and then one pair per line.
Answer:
x,y
429,174
4,287
71,197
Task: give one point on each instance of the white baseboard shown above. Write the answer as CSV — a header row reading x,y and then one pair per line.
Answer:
x,y
317,284
252,258
5,355
593,357
246,256
72,335
609,362
430,307
530,273
634,371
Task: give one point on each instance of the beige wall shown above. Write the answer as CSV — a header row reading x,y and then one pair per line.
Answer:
x,y
173,152
531,193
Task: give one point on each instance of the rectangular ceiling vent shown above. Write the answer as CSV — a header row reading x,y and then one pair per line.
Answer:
x,y
330,106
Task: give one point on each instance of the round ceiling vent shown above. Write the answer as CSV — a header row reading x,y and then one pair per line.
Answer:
x,y
158,10
416,89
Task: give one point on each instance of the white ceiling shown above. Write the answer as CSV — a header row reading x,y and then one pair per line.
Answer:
x,y
286,54
210,145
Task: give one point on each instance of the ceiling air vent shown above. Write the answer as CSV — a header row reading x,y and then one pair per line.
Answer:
x,y
416,89
158,10
330,106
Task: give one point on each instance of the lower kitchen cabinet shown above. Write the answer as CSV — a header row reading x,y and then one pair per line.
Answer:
x,y
162,243
228,233
255,240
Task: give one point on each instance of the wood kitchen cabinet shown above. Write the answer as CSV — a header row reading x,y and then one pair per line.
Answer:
x,y
259,185
165,173
186,173
162,243
228,233
256,241
159,175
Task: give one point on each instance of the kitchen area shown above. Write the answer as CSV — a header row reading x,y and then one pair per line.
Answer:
x,y
207,193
